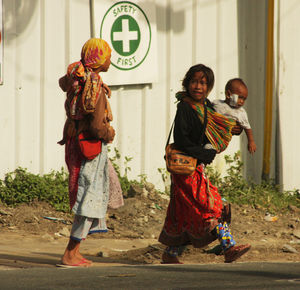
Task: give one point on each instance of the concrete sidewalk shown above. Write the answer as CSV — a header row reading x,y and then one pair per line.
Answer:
x,y
19,251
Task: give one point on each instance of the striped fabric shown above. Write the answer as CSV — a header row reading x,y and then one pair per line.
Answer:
x,y
218,130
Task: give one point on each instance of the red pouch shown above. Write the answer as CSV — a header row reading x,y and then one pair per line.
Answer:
x,y
89,146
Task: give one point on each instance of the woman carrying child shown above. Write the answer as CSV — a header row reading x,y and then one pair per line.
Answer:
x,y
87,110
195,213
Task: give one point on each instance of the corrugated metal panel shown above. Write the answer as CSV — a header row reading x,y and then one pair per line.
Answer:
x,y
252,47
42,42
288,58
42,37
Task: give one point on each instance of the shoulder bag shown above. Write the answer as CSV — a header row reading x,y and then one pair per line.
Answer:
x,y
89,146
178,162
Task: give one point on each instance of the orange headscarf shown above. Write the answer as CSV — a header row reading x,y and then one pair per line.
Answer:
x,y
88,84
95,52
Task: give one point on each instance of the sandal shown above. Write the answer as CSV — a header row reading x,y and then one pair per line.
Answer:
x,y
236,252
168,259
83,264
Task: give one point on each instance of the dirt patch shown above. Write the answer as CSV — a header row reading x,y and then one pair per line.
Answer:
x,y
142,217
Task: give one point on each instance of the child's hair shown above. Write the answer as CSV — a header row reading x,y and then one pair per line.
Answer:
x,y
230,82
208,73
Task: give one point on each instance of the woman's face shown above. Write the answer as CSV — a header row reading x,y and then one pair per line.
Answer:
x,y
105,66
198,87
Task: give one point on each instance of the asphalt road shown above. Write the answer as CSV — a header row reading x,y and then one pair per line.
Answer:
x,y
218,276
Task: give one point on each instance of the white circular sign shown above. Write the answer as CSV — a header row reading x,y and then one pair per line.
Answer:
x,y
126,28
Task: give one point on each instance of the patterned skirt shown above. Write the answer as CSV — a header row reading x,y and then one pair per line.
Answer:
x,y
74,161
73,158
193,212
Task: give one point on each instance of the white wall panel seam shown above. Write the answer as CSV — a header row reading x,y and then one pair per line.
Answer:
x,y
42,87
17,92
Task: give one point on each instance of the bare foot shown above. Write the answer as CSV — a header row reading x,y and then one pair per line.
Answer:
x,y
79,256
72,256
75,258
168,259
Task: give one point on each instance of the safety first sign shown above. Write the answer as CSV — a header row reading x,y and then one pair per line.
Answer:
x,y
130,30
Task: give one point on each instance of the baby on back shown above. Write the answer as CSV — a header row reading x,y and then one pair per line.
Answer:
x,y
236,93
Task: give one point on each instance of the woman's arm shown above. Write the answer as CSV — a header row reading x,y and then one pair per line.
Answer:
x,y
99,126
65,83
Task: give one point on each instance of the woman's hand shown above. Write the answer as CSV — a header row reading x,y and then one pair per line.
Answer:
x,y
111,134
237,129
208,156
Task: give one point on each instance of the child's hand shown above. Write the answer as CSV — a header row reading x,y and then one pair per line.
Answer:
x,y
251,147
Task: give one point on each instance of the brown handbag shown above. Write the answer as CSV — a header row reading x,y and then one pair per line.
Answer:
x,y
178,162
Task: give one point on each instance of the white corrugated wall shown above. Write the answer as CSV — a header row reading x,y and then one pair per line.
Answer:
x,y
188,32
42,37
287,92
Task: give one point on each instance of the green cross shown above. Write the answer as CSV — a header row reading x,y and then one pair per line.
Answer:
x,y
125,35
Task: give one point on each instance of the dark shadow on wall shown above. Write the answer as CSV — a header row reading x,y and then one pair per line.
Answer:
x,y
252,28
166,20
178,19
162,13
165,12
17,14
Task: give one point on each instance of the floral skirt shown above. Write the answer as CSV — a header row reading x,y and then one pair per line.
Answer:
x,y
73,158
93,186
193,212
74,161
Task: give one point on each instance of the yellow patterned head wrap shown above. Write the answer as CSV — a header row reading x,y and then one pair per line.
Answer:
x,y
95,52
87,84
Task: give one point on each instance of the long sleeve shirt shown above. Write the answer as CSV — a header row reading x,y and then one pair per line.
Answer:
x,y
188,134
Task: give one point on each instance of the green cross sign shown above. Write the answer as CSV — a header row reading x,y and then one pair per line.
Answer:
x,y
125,35
126,28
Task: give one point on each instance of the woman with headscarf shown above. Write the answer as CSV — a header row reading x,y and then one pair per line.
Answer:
x,y
87,110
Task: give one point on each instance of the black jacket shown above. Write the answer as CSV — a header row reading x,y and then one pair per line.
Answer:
x,y
187,134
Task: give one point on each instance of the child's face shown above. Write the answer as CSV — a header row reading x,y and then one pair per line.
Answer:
x,y
241,92
198,87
